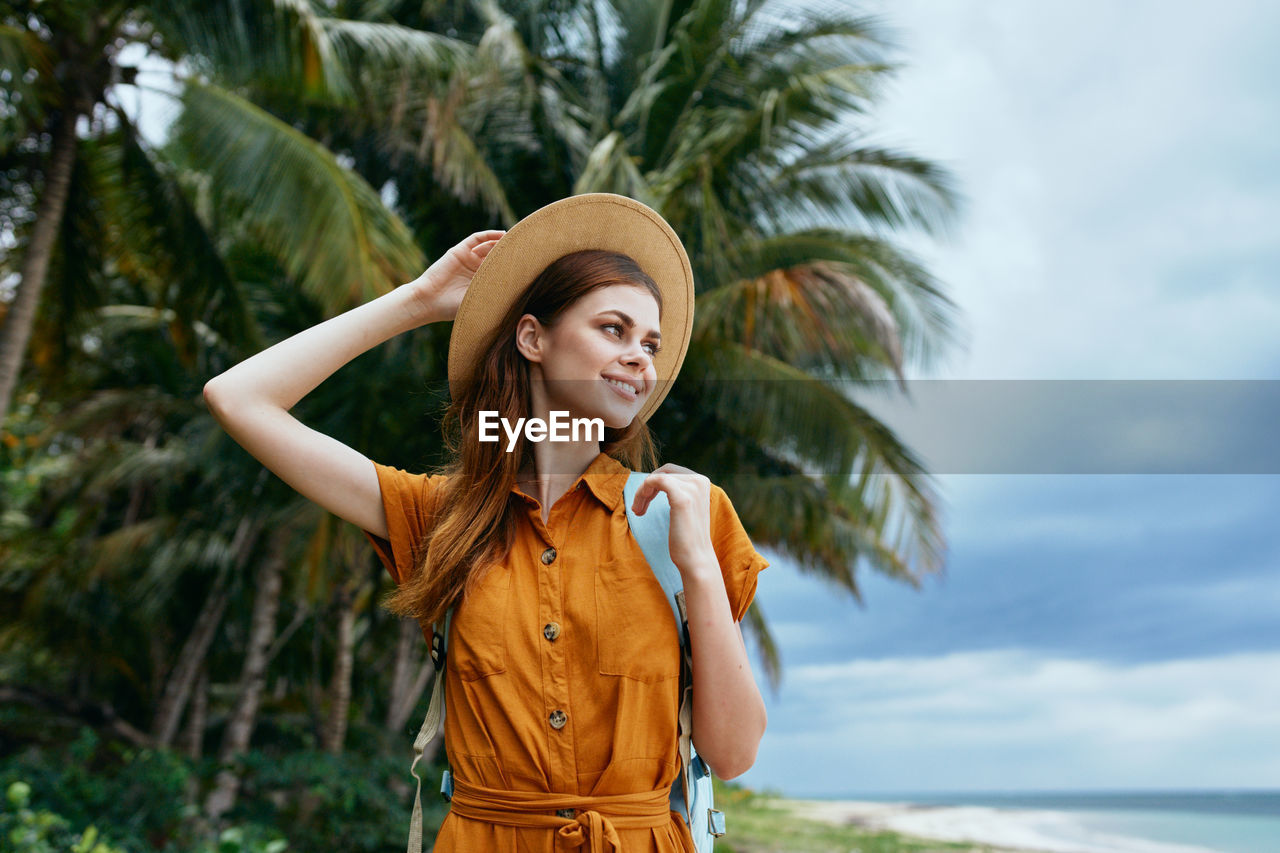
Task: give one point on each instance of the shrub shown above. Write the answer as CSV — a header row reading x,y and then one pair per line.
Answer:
x,y
24,830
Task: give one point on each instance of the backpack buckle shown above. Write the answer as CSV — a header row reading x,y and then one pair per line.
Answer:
x,y
437,647
715,822
446,785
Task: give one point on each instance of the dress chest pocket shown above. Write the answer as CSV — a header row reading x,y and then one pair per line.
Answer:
x,y
478,636
635,629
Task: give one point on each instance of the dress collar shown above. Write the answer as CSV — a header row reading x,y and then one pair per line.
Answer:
x,y
605,477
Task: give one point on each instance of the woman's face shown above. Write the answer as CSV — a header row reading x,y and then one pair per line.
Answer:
x,y
605,340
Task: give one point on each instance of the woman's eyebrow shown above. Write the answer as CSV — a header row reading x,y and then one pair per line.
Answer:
x,y
628,322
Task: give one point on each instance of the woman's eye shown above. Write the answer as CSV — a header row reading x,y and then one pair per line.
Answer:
x,y
653,348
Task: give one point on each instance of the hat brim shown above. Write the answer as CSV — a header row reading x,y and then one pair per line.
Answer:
x,y
587,221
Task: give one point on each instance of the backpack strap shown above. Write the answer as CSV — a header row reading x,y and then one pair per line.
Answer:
x,y
652,531
430,725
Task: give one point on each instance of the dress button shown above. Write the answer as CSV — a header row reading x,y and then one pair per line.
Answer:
x,y
569,813
548,555
551,630
558,718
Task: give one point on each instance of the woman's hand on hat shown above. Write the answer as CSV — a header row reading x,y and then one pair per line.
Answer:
x,y
689,494
440,289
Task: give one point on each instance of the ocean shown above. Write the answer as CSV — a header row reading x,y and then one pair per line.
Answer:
x,y
1225,821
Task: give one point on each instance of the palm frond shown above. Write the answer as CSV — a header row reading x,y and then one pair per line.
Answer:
x,y
293,47
327,227
840,528
833,301
779,27
610,168
766,646
280,42
842,181
380,51
157,237
135,317
776,403
449,135
26,68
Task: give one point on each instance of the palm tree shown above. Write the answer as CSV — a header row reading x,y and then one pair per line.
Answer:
x,y
62,61
176,233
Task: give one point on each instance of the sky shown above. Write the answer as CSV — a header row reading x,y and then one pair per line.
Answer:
x,y
1101,628
1105,627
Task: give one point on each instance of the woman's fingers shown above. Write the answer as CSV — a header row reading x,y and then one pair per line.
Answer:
x,y
662,479
484,236
648,490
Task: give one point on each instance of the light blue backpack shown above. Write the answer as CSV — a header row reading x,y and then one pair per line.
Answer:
x,y
691,794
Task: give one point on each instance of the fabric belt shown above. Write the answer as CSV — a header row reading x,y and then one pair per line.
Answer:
x,y
595,823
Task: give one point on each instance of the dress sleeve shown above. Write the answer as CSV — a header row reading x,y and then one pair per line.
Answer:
x,y
740,563
410,504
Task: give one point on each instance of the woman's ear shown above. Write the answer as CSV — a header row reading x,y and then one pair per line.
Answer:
x,y
529,337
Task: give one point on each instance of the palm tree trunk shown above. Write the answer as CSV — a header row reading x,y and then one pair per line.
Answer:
x,y
178,685
410,678
16,331
410,675
193,737
335,725
244,713
401,670
406,690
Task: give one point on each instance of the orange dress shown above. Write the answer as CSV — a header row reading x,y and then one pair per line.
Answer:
x,y
563,670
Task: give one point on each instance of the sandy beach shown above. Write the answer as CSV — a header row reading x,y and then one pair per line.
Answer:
x,y
1024,830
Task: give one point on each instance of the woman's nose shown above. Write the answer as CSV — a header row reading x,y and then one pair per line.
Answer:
x,y
638,355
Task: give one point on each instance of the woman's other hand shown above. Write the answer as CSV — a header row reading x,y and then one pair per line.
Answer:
x,y
440,289
689,494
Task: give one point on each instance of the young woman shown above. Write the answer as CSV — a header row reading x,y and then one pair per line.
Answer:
x,y
562,674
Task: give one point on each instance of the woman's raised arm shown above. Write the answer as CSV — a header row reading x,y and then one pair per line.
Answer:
x,y
252,399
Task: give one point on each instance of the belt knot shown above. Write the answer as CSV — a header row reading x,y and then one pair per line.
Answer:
x,y
589,829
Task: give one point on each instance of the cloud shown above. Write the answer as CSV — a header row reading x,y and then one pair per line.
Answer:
x,y
1008,718
1122,177
1121,569
1084,426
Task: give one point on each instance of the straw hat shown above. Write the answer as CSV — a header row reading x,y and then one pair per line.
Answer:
x,y
587,221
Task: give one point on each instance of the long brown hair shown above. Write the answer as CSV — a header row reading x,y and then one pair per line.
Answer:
x,y
476,517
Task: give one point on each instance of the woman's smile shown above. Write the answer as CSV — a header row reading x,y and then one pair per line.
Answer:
x,y
628,388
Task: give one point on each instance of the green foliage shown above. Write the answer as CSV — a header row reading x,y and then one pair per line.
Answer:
x,y
142,798
108,784
27,831
250,839
24,830
336,802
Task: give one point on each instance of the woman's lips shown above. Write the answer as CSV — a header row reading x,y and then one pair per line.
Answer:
x,y
626,395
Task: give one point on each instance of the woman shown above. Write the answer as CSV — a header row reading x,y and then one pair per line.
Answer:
x,y
563,665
